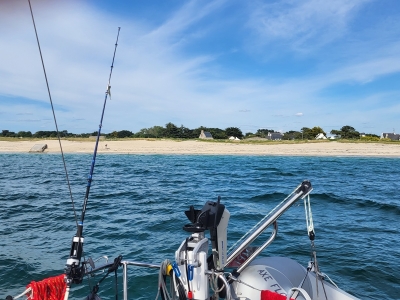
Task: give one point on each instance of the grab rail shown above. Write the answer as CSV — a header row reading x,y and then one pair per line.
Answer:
x,y
300,191
125,272
258,251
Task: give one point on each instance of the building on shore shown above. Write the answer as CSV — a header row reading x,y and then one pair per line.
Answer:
x,y
234,138
274,136
205,135
393,136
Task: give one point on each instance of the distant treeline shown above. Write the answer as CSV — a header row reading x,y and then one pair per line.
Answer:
x,y
172,131
346,132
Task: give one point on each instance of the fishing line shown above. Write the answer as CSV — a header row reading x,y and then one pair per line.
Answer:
x,y
108,93
54,116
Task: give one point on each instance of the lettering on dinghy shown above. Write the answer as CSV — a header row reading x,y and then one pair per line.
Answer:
x,y
242,257
273,284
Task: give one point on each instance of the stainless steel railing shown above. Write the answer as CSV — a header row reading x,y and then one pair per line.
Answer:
x,y
125,265
299,192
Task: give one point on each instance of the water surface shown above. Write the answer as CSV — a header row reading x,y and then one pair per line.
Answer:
x,y
137,202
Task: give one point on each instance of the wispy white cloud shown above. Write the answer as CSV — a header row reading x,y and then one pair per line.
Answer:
x,y
369,70
299,23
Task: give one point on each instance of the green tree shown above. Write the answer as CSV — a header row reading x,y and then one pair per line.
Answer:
x,y
306,133
217,133
172,131
142,133
292,135
185,132
44,134
24,134
311,133
347,132
249,134
234,131
263,132
156,131
124,134
336,132
112,135
7,133
317,130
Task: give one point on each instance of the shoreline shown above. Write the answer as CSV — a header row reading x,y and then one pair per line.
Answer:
x,y
195,147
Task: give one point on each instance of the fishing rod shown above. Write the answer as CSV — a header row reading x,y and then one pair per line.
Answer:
x,y
54,114
74,271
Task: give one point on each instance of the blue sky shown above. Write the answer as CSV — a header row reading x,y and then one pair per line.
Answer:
x,y
280,65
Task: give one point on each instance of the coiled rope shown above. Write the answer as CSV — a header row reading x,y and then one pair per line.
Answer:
x,y
165,270
52,288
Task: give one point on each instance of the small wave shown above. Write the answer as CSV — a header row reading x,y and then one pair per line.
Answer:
x,y
363,203
274,171
267,197
387,207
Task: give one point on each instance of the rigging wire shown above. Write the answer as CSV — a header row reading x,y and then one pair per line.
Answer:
x,y
54,116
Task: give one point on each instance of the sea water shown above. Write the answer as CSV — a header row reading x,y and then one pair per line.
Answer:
x,y
136,209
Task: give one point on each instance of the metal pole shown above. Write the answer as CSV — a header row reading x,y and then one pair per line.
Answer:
x,y
258,251
125,280
303,190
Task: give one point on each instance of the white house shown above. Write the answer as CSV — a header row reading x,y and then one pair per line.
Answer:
x,y
320,136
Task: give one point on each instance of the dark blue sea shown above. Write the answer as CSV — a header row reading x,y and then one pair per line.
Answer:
x,y
137,202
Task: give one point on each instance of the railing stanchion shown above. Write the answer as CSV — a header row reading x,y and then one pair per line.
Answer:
x,y
125,279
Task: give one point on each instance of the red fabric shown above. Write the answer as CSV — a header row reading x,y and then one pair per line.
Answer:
x,y
268,295
52,288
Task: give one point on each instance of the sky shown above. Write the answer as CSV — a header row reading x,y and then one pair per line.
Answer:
x,y
281,65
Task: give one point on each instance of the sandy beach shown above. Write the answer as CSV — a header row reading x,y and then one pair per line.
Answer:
x,y
209,148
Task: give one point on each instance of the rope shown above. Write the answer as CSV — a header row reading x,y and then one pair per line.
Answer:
x,y
162,288
52,288
231,277
214,283
311,235
309,218
19,295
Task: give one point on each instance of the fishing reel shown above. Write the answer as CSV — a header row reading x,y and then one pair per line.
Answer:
x,y
74,270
